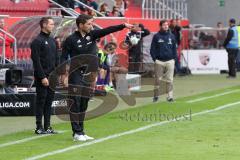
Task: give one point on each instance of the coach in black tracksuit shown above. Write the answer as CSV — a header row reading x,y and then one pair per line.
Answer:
x,y
44,57
83,42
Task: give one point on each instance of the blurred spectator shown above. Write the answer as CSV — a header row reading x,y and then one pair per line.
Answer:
x,y
85,10
59,53
2,23
93,4
116,62
59,48
134,42
125,4
91,12
221,34
58,43
207,40
104,9
175,28
104,69
8,41
116,12
120,5
66,4
81,7
112,65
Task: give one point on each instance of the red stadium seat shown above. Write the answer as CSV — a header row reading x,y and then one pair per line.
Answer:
x,y
24,8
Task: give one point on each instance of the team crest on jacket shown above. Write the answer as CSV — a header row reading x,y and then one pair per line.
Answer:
x,y
160,40
169,41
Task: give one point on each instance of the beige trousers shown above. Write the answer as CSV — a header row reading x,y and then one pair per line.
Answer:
x,y
164,72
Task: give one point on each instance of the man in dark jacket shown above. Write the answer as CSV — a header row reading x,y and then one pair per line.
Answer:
x,y
134,41
164,53
175,28
44,57
82,48
232,47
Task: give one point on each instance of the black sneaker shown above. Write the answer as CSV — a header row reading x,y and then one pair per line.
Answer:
x,y
40,131
49,130
155,99
170,100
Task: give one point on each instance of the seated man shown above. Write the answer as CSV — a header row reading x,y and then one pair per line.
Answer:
x,y
104,69
117,63
111,66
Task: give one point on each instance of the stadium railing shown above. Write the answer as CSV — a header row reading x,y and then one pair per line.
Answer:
x,y
164,9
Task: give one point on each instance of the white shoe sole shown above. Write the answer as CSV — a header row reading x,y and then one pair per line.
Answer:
x,y
82,139
88,138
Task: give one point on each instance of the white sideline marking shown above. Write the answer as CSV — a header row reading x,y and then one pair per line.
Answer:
x,y
26,139
126,133
214,96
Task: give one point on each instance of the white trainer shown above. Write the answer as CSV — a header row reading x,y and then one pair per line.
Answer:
x,y
78,137
88,137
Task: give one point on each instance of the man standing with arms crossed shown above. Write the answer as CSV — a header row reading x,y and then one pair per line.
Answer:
x,y
83,43
44,57
164,53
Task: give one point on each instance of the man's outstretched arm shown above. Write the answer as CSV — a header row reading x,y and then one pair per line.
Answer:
x,y
103,32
